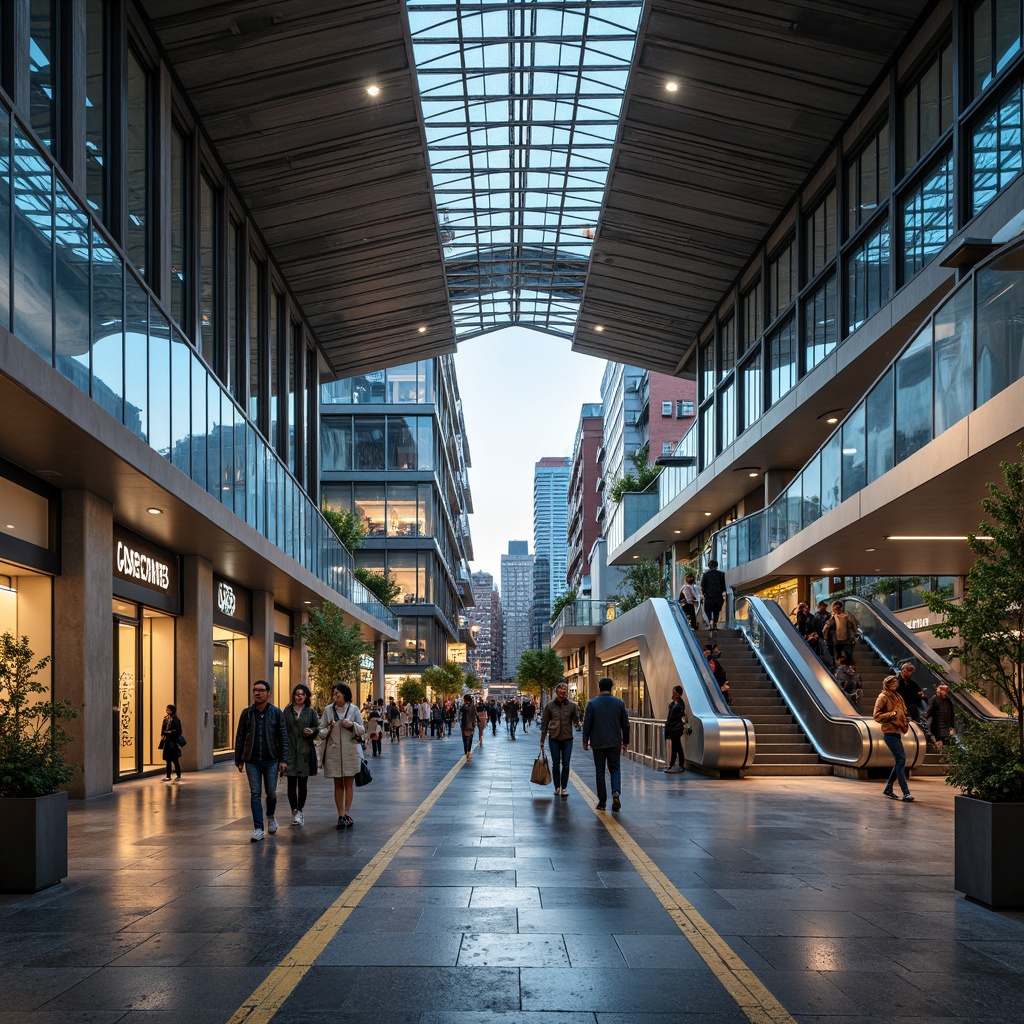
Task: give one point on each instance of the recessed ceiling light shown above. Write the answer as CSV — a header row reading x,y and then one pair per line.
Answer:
x,y
373,90
832,417
422,329
677,531
707,513
831,420
307,602
154,511
636,556
753,473
829,568
599,328
869,549
671,85
10,526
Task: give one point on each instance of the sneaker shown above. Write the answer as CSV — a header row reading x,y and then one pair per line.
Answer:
x,y
167,779
907,798
616,804
257,835
601,806
889,793
176,780
295,818
565,793
272,824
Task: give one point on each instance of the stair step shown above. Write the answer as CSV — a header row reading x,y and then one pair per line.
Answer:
x,y
760,758
788,769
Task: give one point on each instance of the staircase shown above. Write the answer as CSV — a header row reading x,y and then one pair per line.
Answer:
x,y
782,748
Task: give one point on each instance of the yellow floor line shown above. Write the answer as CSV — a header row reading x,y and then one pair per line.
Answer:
x,y
261,1006
739,981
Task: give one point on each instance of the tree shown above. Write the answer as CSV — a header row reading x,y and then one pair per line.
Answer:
x,y
351,530
445,680
334,651
644,580
472,681
560,602
382,585
412,690
642,475
988,625
539,671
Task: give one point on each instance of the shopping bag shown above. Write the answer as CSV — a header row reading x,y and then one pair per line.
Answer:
x,y
541,774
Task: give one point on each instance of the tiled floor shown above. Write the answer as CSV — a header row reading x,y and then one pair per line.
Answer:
x,y
508,904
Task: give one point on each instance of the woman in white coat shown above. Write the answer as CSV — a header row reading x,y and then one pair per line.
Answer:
x,y
341,728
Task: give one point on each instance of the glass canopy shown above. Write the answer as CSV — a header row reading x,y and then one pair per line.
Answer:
x,y
521,101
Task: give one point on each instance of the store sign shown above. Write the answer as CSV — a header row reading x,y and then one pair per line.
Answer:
x,y
226,598
232,605
144,571
366,662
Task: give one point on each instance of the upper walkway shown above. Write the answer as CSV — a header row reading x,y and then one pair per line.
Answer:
x,y
701,901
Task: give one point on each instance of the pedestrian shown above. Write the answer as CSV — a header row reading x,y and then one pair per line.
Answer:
x,y
493,713
261,751
170,734
424,718
712,588
804,619
341,727
302,723
819,637
437,720
511,710
941,717
675,725
910,691
688,600
467,724
529,710
557,721
375,727
606,729
891,713
842,628
394,721
849,679
714,660
481,719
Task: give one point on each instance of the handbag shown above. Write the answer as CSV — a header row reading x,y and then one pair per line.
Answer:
x,y
312,760
541,774
363,776
181,741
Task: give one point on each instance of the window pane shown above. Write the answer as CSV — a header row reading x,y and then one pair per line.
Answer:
x,y
854,464
820,323
753,390
5,219
402,442
831,472
136,359
707,369
402,520
867,273
181,404
96,106
276,324
257,332
820,235
336,442
41,69
996,149
137,165
200,436
914,396
727,347
928,217
810,485
999,355
425,509
707,435
781,282
209,331
179,227
880,428
71,296
751,306
234,314
954,360
160,380
369,442
727,414
782,367
107,327
425,442
33,246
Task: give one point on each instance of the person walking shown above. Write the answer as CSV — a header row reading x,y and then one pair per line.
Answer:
x,y
375,727
261,751
557,721
529,711
891,714
688,599
394,721
675,724
302,723
467,724
606,729
481,720
511,710
712,588
341,727
941,717
170,734
843,629
493,713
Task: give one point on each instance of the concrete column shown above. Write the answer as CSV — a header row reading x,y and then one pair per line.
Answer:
x,y
300,655
379,647
83,644
193,663
261,645
775,482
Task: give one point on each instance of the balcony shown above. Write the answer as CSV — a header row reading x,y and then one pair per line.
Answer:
x,y
635,509
580,622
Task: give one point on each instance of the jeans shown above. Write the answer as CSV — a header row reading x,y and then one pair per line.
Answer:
x,y
561,751
467,742
712,610
676,742
607,756
690,612
894,742
512,723
262,774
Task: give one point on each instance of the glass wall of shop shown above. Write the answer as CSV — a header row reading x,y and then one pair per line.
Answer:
x,y
283,644
897,593
630,685
409,384
230,684
143,686
26,609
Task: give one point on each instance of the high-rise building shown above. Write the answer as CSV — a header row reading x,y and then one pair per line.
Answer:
x,y
394,452
516,604
583,499
550,534
485,625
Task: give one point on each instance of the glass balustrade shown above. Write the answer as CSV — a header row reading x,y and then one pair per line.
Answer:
x,y
69,295
967,351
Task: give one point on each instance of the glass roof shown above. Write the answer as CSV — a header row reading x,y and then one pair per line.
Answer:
x,y
521,101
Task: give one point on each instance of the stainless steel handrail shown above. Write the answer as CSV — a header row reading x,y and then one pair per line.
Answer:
x,y
838,734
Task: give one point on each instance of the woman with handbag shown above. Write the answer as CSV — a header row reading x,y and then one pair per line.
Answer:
x,y
891,714
467,723
302,723
341,728
170,743
675,724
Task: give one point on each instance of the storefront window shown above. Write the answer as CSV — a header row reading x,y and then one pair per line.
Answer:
x,y
230,684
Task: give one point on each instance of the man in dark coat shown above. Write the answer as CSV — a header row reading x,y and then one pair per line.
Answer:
x,y
606,728
712,588
941,716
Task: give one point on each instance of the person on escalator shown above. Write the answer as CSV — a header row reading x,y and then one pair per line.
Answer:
x,y
718,671
911,691
941,717
688,600
712,588
849,679
817,636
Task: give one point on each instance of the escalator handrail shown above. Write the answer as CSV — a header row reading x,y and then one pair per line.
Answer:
x,y
707,679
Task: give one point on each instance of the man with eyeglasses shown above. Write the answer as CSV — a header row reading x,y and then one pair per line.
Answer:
x,y
261,751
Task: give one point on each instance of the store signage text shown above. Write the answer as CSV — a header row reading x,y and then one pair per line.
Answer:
x,y
226,598
135,565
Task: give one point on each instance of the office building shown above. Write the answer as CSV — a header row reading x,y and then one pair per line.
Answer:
x,y
582,498
550,526
485,625
517,597
394,451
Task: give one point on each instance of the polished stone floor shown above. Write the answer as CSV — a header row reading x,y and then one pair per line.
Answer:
x,y
509,904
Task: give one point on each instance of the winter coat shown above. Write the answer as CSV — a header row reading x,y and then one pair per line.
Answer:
x,y
342,750
467,718
675,721
170,733
891,713
300,745
558,719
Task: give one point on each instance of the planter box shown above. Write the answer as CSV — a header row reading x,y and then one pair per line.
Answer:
x,y
34,854
987,840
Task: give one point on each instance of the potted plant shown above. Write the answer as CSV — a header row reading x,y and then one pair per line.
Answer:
x,y
987,761
33,770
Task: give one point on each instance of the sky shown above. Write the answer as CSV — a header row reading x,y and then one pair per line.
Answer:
x,y
521,398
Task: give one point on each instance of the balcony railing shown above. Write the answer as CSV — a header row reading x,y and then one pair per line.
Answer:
x,y
585,613
635,509
965,353
77,303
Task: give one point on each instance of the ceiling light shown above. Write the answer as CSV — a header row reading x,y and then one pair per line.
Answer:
x,y
671,85
829,568
307,602
869,549
599,328
831,420
677,531
707,513
832,417
935,537
422,329
10,526
154,511
636,556
373,90
753,474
